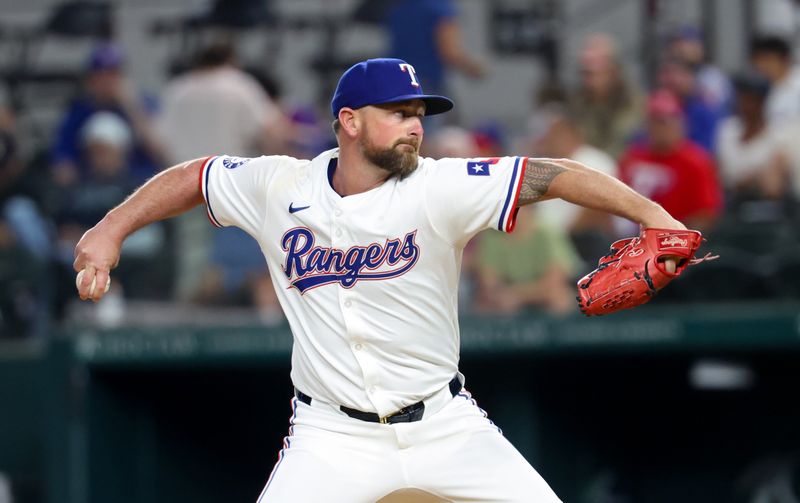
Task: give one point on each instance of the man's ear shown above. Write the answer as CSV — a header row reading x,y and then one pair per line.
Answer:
x,y
350,121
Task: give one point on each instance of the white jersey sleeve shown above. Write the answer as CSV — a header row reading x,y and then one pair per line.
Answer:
x,y
235,190
466,196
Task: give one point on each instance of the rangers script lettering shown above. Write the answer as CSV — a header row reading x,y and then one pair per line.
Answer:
x,y
314,266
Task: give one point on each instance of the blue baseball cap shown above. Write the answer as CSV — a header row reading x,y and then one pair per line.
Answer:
x,y
383,80
107,56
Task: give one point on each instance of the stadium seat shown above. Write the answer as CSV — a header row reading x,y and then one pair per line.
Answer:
x,y
757,238
733,276
81,19
783,269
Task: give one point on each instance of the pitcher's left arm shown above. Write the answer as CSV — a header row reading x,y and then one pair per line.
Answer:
x,y
579,184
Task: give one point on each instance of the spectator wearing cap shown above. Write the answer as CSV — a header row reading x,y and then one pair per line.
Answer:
x,y
713,84
672,170
106,142
105,89
753,156
607,108
701,116
491,138
772,58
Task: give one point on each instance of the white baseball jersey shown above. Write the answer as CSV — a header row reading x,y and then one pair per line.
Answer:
x,y
368,282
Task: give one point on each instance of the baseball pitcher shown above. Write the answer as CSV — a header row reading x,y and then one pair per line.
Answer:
x,y
364,245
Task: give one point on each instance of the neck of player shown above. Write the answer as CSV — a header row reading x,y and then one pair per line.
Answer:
x,y
354,174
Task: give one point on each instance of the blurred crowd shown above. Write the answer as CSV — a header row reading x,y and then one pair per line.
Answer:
x,y
714,148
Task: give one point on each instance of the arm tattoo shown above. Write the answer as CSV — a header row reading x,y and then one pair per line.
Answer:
x,y
539,173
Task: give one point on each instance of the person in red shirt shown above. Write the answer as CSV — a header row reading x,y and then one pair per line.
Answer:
x,y
672,170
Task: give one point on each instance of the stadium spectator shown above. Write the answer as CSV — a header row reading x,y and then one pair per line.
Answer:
x,y
453,141
25,243
309,134
672,170
107,89
701,117
217,107
753,156
555,133
436,43
772,57
491,139
21,191
106,142
105,154
713,84
531,268
607,108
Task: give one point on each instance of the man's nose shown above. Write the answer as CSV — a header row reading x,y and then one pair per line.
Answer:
x,y
416,129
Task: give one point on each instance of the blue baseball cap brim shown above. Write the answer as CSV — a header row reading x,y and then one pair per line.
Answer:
x,y
434,104
381,81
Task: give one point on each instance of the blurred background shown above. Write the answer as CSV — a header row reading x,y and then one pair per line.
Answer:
x,y
175,387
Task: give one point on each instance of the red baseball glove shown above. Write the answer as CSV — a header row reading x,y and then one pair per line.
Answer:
x,y
634,270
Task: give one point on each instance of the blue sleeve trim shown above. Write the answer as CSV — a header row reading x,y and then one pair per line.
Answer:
x,y
512,184
207,170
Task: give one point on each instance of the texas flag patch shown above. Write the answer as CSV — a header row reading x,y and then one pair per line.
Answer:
x,y
480,168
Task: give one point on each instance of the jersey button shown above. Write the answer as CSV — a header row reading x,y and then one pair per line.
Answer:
x,y
372,390
347,303
338,212
338,232
358,346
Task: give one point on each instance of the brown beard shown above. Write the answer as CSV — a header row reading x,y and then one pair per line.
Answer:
x,y
395,162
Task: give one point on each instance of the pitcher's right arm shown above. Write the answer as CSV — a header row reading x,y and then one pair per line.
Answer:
x,y
168,194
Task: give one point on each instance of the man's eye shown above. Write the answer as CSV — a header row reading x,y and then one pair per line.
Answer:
x,y
403,114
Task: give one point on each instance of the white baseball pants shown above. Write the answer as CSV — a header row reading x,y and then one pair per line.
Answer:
x,y
454,454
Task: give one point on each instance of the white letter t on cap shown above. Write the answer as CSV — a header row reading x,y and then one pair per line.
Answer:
x,y
410,69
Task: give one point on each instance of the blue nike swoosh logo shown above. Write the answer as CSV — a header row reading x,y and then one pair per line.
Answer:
x,y
293,209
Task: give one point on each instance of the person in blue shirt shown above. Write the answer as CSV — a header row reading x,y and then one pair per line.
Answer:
x,y
106,90
686,44
427,35
701,115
